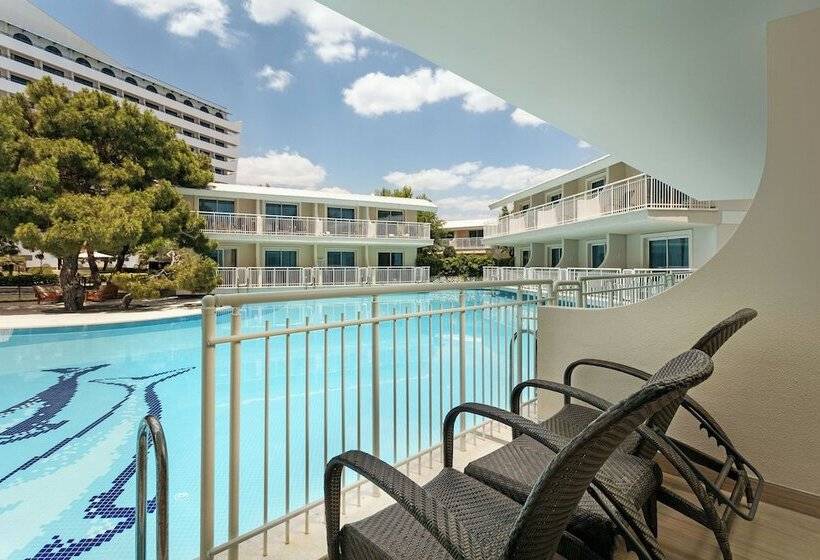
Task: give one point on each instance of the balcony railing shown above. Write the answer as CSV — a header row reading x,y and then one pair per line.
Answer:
x,y
467,243
305,226
301,277
593,287
377,372
635,193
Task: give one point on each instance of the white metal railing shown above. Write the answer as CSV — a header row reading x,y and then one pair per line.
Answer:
x,y
259,224
618,290
467,243
635,193
378,374
594,287
399,274
300,277
494,273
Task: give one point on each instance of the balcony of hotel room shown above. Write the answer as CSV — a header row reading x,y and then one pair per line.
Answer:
x,y
260,220
466,236
603,198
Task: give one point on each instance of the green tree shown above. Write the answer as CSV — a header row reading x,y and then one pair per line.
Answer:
x,y
437,232
84,172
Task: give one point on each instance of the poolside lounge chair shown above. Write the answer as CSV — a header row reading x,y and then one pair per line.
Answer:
x,y
455,516
48,294
637,484
103,293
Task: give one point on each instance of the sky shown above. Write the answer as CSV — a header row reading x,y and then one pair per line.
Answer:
x,y
326,103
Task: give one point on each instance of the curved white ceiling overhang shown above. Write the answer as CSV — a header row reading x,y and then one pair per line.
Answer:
x,y
675,88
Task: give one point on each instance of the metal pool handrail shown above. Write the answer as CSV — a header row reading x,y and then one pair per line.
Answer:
x,y
210,341
150,425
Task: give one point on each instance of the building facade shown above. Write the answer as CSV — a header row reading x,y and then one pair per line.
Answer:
x,y
271,236
467,236
34,45
607,214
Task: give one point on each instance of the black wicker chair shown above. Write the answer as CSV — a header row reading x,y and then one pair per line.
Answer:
x,y
455,516
631,478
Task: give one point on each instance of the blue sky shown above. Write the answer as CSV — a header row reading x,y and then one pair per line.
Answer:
x,y
326,103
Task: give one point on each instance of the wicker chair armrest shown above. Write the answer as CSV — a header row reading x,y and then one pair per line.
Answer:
x,y
567,390
519,425
433,516
603,364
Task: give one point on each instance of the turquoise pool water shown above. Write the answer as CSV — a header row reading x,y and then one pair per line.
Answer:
x,y
70,401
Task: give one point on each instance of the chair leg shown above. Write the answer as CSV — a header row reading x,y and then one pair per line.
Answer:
x,y
650,514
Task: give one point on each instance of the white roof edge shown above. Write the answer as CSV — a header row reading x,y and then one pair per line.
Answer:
x,y
459,224
583,169
294,194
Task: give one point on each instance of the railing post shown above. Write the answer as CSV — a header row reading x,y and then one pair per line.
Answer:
x,y
234,429
208,429
374,358
462,362
519,327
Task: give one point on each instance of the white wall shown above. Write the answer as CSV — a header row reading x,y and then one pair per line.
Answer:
x,y
766,386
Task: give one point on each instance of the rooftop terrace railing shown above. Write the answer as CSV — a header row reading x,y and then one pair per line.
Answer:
x,y
635,193
378,373
306,226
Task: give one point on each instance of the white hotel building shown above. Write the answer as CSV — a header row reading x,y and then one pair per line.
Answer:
x,y
34,45
605,217
280,237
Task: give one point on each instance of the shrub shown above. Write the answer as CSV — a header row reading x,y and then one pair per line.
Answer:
x,y
30,279
142,286
192,272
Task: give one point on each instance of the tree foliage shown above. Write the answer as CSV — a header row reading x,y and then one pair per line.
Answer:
x,y
84,172
437,232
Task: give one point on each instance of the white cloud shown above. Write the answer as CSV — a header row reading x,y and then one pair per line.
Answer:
x,y
473,174
187,18
279,168
464,207
376,93
512,178
523,118
583,144
275,78
332,36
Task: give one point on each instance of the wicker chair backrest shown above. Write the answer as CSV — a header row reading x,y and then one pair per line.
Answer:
x,y
555,496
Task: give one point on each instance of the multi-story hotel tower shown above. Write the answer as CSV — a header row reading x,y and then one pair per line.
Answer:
x,y
34,45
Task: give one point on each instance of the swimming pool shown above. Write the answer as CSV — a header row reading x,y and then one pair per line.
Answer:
x,y
71,400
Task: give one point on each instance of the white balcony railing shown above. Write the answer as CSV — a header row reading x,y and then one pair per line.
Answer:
x,y
467,243
300,277
302,226
378,370
509,273
635,193
593,287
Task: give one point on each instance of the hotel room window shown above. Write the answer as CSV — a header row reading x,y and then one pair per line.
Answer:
x,y
390,216
219,206
341,213
672,252
341,258
391,259
597,253
278,209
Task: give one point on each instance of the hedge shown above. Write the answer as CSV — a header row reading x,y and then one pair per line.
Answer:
x,y
29,279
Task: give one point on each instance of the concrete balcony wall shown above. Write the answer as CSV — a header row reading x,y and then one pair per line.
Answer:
x,y
765,388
